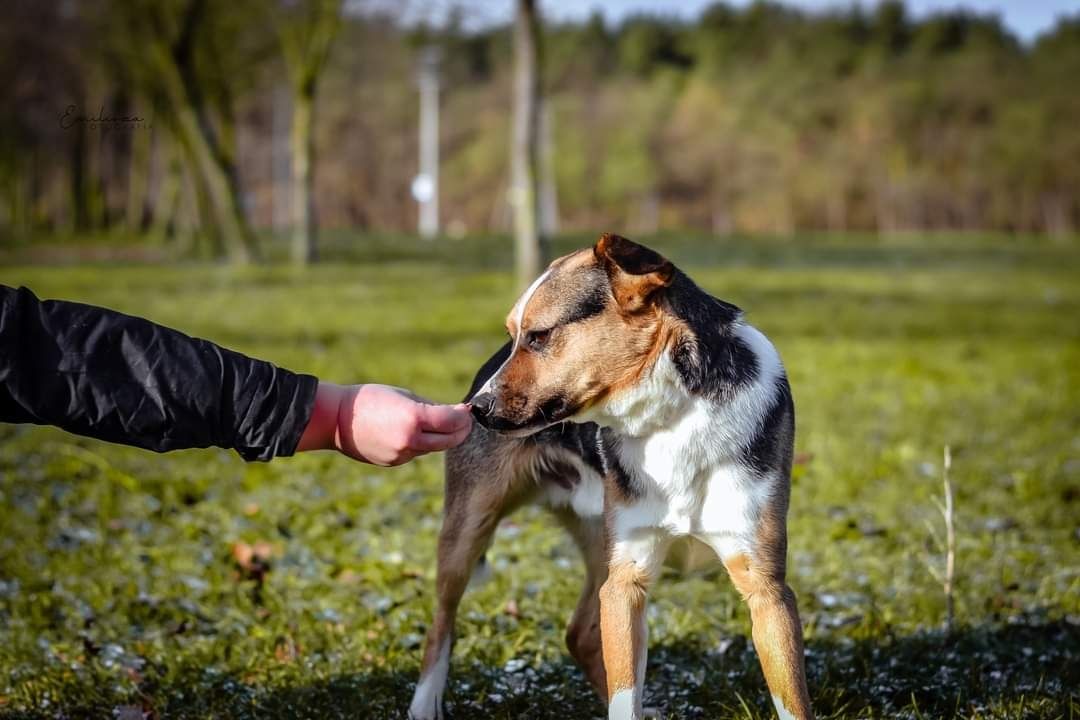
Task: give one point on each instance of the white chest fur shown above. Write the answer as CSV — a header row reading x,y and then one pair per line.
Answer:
x,y
684,453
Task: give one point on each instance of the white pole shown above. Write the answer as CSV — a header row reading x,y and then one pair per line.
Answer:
x,y
427,189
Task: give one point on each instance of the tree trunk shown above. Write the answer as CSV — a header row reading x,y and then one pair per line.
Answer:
x,y
219,186
305,41
166,207
524,159
220,191
549,196
214,170
1055,213
80,193
302,147
138,178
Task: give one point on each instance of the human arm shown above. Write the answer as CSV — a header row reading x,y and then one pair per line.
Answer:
x,y
124,379
104,374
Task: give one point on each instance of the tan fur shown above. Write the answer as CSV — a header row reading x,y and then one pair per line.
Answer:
x,y
663,332
777,632
622,625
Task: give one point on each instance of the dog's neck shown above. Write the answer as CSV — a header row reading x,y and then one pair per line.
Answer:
x,y
652,404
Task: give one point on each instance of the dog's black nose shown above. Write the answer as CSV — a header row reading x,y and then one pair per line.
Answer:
x,y
482,405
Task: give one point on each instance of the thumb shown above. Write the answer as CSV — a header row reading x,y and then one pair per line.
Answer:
x,y
445,418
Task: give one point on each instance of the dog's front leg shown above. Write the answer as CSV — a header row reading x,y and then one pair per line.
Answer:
x,y
623,630
625,638
470,520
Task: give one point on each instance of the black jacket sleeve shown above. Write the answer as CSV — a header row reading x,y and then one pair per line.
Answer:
x,y
115,377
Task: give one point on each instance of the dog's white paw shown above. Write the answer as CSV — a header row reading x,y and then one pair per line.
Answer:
x,y
426,705
426,713
427,699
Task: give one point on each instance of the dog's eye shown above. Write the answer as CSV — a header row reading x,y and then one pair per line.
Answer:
x,y
538,339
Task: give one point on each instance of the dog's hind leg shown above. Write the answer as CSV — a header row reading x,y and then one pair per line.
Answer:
x,y
479,492
583,632
759,578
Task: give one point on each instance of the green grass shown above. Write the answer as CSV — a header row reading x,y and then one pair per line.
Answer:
x,y
118,589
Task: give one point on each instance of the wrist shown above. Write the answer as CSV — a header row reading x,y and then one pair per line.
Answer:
x,y
321,432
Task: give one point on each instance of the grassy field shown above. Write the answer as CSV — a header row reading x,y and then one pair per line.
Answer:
x,y
120,594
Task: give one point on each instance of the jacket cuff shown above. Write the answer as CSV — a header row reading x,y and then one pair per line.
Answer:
x,y
294,407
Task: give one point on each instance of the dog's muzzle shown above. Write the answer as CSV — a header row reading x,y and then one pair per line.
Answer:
x,y
486,410
482,406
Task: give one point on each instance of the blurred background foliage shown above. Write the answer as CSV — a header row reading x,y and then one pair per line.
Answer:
x,y
758,118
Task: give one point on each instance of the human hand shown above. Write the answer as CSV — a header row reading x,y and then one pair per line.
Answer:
x,y
382,425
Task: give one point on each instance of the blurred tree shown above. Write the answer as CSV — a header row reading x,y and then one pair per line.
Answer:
x,y
755,117
188,57
1055,147
890,29
646,43
306,29
528,245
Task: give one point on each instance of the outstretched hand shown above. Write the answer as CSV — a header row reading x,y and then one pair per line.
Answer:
x,y
382,425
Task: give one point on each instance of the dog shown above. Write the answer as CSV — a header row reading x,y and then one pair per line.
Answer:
x,y
657,426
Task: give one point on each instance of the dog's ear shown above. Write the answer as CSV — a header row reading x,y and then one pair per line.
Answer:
x,y
635,271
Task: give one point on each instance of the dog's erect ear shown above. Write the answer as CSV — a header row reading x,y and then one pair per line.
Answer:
x,y
635,271
630,257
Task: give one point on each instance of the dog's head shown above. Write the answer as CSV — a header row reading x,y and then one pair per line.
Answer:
x,y
585,329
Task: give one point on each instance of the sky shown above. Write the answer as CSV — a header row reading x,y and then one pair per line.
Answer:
x,y
1026,18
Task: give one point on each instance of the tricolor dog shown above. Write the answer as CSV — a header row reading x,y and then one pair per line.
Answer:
x,y
656,425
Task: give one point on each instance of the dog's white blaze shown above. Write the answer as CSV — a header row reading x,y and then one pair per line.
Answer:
x,y
427,700
782,712
523,301
622,705
519,314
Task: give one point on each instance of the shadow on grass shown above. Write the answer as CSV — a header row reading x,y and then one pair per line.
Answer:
x,y
1011,671
1029,670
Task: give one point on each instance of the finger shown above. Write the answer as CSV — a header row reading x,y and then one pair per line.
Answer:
x,y
460,435
433,442
444,418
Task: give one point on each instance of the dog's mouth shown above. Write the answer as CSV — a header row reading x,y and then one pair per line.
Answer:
x,y
551,412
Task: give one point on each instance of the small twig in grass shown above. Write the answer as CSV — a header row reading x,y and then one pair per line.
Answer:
x,y
915,708
950,541
948,576
746,708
